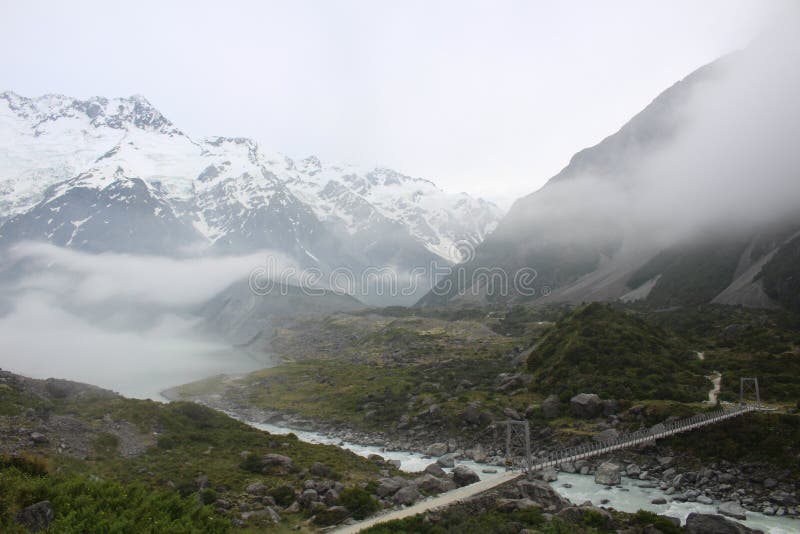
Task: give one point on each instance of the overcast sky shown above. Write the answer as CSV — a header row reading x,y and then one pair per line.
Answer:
x,y
488,97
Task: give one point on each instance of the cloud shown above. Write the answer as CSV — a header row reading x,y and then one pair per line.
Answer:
x,y
93,278
118,321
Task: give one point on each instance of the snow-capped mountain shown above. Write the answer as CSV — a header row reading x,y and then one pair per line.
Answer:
x,y
116,175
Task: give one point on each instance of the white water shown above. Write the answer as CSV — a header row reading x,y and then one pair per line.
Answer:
x,y
629,497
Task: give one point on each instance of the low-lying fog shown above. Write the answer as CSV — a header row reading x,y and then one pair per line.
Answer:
x,y
121,322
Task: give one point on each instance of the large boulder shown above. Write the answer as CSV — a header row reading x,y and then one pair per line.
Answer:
x,y
541,493
586,405
273,460
715,524
448,460
478,453
36,517
431,484
551,407
464,476
437,449
389,486
407,495
435,470
732,509
608,474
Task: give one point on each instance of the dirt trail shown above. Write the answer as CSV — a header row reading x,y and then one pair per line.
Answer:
x,y
713,394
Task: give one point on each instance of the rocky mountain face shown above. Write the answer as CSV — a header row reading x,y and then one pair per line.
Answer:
x,y
692,201
116,175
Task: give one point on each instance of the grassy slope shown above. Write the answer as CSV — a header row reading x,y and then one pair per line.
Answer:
x,y
158,485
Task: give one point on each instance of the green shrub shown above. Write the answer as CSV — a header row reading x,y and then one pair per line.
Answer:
x,y
283,495
359,501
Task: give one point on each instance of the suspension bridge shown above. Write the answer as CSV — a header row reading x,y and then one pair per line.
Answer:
x,y
518,437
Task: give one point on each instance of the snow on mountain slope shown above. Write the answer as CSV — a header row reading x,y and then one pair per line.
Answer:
x,y
222,194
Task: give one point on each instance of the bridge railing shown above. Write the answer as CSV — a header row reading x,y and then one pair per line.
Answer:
x,y
630,439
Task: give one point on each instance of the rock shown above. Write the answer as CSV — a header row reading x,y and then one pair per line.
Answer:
x,y
551,407
437,449
585,405
548,475
331,497
257,488
770,483
202,482
478,454
783,498
659,500
541,493
435,470
489,471
464,476
511,413
608,474
448,460
407,495
389,486
396,463
38,438
308,497
732,509
277,460
472,414
432,484
321,470
568,467
512,505
633,470
714,524
665,461
36,517
292,508
703,499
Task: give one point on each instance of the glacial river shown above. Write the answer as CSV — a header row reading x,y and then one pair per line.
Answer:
x,y
628,497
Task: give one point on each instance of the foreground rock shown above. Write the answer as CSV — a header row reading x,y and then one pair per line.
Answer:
x,y
608,474
464,476
37,516
716,524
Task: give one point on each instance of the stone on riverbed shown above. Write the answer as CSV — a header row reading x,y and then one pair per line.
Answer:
x,y
608,474
732,509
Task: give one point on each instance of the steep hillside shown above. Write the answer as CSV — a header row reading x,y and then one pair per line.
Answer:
x,y
615,354
654,213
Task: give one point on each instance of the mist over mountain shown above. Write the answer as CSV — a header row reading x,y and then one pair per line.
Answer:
x,y
696,199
